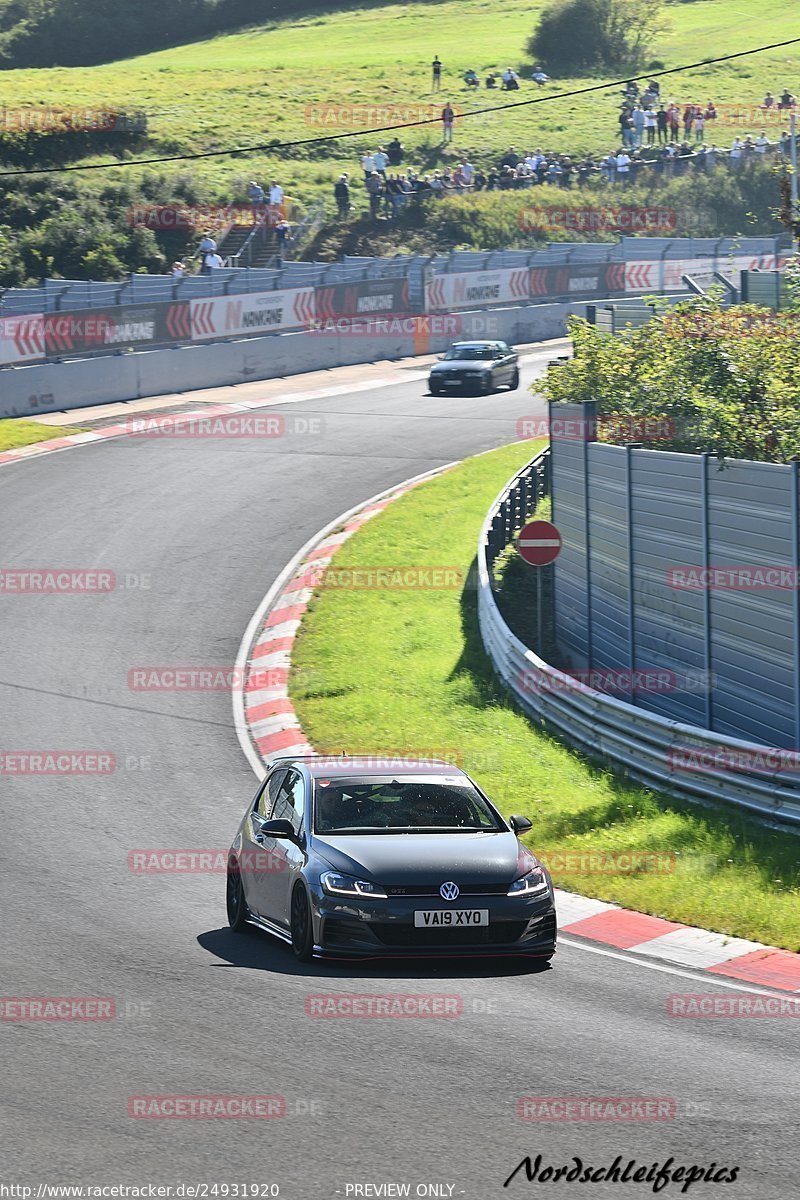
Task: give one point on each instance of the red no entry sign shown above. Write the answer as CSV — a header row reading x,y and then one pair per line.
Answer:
x,y
539,543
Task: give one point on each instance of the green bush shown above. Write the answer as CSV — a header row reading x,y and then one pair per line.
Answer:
x,y
576,37
726,382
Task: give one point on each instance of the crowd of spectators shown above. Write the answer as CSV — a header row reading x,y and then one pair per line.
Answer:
x,y
657,140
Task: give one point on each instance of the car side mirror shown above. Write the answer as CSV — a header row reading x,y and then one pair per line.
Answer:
x,y
279,828
520,824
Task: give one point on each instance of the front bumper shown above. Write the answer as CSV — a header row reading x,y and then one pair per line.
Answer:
x,y
456,380
386,928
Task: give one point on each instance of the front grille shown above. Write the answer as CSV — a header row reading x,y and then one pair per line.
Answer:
x,y
498,934
425,889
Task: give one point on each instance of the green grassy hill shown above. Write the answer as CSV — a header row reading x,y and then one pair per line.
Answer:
x,y
267,84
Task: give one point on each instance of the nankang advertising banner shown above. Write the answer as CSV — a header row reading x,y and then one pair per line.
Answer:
x,y
122,327
259,313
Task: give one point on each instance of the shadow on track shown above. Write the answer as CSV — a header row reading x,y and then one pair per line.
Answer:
x,y
260,952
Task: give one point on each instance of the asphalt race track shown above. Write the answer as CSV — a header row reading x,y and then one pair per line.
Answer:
x,y
196,532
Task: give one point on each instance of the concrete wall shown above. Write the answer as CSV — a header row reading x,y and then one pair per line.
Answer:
x,y
53,387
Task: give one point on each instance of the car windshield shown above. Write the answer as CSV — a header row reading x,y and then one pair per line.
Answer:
x,y
470,352
422,805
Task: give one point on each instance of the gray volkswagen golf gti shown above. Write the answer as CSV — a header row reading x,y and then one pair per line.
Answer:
x,y
351,857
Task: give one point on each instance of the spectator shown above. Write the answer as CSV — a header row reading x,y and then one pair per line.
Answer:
x,y
471,79
207,247
510,80
256,195
436,68
367,165
493,180
448,118
673,121
395,152
623,167
380,158
637,116
491,80
479,181
341,193
178,270
282,236
768,101
437,187
375,192
467,170
787,100
661,125
650,126
608,168
510,158
736,151
699,125
688,120
711,113
276,193
762,141
540,77
211,262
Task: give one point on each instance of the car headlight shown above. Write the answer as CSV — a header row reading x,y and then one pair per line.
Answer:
x,y
532,884
347,885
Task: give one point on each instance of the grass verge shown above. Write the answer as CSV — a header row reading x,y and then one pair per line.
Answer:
x,y
404,671
15,433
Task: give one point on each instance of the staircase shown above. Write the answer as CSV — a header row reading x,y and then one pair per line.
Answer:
x,y
248,246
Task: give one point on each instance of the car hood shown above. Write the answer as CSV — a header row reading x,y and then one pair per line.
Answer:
x,y
462,364
407,859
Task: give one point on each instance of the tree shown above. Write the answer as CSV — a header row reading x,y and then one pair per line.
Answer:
x,y
582,36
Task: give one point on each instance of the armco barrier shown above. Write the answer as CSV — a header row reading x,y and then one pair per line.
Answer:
x,y
52,387
645,745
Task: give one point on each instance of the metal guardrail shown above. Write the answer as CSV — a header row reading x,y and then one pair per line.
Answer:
x,y
645,745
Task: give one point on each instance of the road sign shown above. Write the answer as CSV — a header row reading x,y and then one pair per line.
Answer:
x,y
539,543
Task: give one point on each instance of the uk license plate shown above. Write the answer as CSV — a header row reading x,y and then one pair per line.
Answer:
x,y
452,918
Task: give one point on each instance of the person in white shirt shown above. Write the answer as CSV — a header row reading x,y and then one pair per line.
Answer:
x,y
276,193
623,167
367,164
736,152
467,171
211,262
762,141
380,158
207,245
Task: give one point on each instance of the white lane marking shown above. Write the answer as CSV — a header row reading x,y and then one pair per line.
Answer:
x,y
683,973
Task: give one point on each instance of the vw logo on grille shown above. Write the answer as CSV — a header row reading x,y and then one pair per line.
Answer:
x,y
449,891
